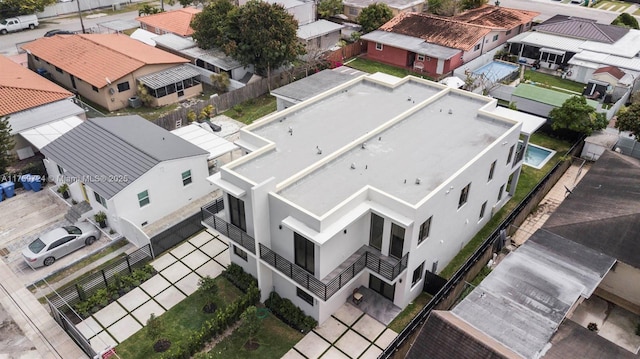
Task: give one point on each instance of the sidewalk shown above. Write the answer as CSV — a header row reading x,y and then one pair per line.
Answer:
x,y
551,201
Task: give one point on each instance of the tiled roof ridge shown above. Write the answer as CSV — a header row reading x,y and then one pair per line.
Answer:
x,y
404,15
90,38
495,9
17,86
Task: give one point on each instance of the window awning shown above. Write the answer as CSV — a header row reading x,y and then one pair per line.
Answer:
x,y
552,51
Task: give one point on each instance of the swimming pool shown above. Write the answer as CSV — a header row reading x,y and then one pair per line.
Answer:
x,y
537,156
496,71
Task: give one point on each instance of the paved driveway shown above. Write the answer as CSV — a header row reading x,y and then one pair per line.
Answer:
x,y
25,217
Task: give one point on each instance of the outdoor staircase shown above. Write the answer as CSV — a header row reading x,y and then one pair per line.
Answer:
x,y
76,211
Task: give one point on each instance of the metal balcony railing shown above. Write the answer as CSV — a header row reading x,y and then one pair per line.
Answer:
x,y
368,259
232,232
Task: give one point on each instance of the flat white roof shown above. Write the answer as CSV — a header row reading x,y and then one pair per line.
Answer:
x,y
207,140
530,123
412,129
43,135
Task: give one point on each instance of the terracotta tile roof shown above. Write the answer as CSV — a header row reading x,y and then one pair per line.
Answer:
x,y
176,21
96,57
612,70
22,89
437,30
496,17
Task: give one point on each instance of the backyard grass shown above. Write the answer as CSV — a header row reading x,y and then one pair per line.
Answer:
x,y
275,339
410,312
253,109
372,67
529,178
554,81
180,321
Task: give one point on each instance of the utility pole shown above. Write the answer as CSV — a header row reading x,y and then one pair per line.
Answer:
x,y
80,14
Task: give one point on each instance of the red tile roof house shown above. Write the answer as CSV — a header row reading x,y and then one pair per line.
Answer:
x,y
176,22
31,101
107,68
436,45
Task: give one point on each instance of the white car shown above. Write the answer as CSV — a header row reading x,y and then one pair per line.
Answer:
x,y
55,244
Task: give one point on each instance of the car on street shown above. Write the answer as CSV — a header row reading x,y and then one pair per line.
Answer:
x,y
58,32
55,244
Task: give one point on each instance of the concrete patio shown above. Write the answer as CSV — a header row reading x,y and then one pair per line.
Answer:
x,y
179,270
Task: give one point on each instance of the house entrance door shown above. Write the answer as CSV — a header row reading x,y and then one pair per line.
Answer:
x,y
379,286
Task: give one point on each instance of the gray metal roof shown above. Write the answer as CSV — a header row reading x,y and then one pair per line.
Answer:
x,y
573,341
603,210
411,43
527,296
173,42
317,28
394,4
116,146
169,76
311,85
38,116
215,57
582,28
120,25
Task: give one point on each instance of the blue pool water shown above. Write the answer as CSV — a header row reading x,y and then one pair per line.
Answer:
x,y
496,71
537,156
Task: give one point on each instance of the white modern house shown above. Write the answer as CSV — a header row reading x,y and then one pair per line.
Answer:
x,y
129,168
368,184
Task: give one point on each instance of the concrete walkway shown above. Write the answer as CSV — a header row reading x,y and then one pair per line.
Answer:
x,y
349,333
179,270
551,201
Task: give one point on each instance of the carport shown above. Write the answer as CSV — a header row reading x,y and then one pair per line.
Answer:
x,y
43,135
207,140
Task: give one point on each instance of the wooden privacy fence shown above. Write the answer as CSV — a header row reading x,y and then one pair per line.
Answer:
x,y
348,51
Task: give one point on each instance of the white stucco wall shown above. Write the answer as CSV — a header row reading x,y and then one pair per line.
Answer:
x,y
619,282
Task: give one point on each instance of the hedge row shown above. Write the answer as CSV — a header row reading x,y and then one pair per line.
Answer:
x,y
241,279
289,313
224,318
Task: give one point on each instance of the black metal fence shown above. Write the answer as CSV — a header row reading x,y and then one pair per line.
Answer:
x,y
176,234
71,329
489,244
69,296
368,259
229,230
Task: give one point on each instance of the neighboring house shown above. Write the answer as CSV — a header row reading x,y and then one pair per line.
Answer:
x,y
106,68
540,101
612,80
578,47
352,8
31,101
176,22
131,169
438,45
319,36
397,189
310,86
588,247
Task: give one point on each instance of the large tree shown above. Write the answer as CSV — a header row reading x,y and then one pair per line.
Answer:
x,y
327,8
211,26
576,115
374,16
264,35
10,8
629,120
626,20
6,144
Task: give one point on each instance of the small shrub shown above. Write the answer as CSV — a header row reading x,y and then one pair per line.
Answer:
x,y
241,279
191,116
155,329
209,289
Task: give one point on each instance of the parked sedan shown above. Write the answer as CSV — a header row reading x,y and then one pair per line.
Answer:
x,y
58,243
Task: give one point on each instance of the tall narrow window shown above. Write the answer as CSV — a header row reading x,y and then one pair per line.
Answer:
x,y
510,155
464,195
417,274
500,193
304,253
143,198
375,233
100,199
236,212
482,209
425,228
491,170
397,241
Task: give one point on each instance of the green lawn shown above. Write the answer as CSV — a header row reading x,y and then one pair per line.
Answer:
x,y
373,66
529,178
410,312
275,339
554,81
251,110
179,321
